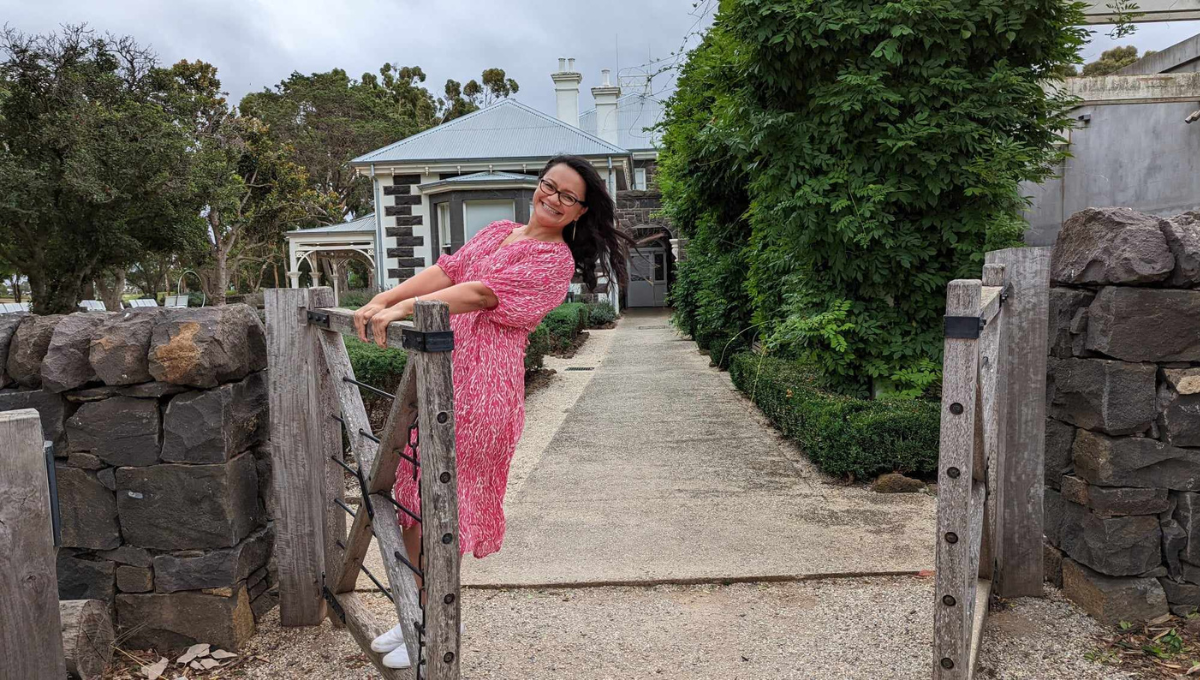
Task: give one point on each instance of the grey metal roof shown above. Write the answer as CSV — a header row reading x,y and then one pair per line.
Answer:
x,y
506,129
634,113
364,223
481,178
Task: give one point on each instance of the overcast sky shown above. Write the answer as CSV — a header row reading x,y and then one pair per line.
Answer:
x,y
257,43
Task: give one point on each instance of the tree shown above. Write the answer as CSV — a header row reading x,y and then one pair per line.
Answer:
x,y
326,119
1113,60
93,161
459,99
881,147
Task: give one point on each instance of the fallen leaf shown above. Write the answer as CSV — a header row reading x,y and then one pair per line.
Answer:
x,y
195,665
1194,670
209,663
193,652
222,654
1162,619
155,671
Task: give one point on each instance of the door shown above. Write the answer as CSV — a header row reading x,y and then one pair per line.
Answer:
x,y
647,277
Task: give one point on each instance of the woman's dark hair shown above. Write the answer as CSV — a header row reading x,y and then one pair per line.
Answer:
x,y
595,235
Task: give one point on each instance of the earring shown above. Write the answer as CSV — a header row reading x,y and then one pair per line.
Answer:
x,y
573,230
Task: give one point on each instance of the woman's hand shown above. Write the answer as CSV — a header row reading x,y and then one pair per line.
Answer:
x,y
379,322
364,314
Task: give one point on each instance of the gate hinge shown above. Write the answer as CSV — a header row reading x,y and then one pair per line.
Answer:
x,y
964,327
334,605
318,319
427,341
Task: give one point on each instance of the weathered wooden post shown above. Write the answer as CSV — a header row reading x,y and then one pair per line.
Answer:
x,y
30,626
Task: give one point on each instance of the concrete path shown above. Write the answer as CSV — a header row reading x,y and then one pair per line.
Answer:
x,y
662,472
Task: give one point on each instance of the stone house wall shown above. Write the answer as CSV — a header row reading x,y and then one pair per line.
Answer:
x,y
1122,498
159,421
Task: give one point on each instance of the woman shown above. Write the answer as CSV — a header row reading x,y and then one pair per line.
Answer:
x,y
499,285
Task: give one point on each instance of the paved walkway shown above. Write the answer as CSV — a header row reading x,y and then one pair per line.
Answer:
x,y
662,472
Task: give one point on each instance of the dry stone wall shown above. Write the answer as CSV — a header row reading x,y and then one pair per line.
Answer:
x,y
159,421
1123,433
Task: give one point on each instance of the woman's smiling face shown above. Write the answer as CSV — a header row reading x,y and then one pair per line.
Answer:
x,y
552,201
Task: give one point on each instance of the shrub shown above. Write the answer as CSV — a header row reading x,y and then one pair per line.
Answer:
x,y
842,435
376,366
600,314
835,164
564,323
539,345
354,299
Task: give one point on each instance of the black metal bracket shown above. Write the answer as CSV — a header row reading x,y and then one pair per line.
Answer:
x,y
334,605
964,327
318,319
427,341
1004,293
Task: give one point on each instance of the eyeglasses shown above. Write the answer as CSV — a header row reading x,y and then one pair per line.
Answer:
x,y
565,198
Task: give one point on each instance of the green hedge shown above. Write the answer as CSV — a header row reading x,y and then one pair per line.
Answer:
x,y
600,314
843,436
376,366
564,323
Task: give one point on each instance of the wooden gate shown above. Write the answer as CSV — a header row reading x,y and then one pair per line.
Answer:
x,y
990,465
314,398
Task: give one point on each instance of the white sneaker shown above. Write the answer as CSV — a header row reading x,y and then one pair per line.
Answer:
x,y
389,641
397,658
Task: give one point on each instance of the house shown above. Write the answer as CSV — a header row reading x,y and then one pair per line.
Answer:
x,y
1135,143
436,189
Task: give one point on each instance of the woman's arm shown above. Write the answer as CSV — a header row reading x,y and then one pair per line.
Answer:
x,y
470,296
430,280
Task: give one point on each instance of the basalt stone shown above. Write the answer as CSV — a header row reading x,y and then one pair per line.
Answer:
x,y
28,348
151,390
88,510
1181,593
1191,573
84,461
208,346
8,328
1179,407
262,462
182,507
1059,438
1112,600
1068,320
172,622
1187,514
1142,324
122,431
80,579
130,555
1135,461
1110,396
1117,546
98,393
1175,541
66,364
1105,246
197,570
50,408
119,351
217,424
134,579
1114,501
1059,513
1183,238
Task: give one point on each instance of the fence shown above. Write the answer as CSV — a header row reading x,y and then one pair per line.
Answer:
x,y
989,523
314,397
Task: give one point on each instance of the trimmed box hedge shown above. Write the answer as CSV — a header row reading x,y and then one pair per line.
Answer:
x,y
844,436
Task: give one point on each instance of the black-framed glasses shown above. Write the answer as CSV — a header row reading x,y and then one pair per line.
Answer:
x,y
564,198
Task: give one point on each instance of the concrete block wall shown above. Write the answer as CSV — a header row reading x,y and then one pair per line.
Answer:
x,y
1123,431
159,419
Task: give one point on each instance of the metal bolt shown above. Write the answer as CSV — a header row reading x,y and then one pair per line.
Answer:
x,y
951,537
947,663
956,408
949,601
442,417
985,361
953,473
445,477
447,538
449,657
449,599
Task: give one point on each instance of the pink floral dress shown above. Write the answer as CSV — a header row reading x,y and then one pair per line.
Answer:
x,y
529,278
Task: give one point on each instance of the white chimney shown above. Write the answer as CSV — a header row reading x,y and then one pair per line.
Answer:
x,y
566,88
606,96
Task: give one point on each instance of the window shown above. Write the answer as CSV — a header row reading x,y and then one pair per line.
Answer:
x,y
479,214
443,225
639,179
